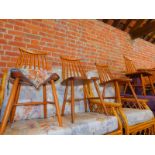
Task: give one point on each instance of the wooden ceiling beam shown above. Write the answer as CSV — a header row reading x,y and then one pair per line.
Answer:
x,y
137,25
126,24
116,22
147,28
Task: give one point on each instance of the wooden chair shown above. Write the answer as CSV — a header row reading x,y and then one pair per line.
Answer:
x,y
31,60
142,74
146,127
106,77
73,74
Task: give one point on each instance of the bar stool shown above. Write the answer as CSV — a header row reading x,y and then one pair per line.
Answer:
x,y
31,70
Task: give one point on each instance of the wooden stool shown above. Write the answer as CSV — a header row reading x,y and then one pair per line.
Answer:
x,y
35,60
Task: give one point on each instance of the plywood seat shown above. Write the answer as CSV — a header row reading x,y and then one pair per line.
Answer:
x,y
77,81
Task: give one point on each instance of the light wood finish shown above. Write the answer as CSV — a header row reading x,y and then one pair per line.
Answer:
x,y
30,60
143,75
9,106
45,101
106,76
56,103
2,87
73,74
146,127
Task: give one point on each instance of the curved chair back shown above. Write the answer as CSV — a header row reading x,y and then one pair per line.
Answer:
x,y
32,59
72,67
104,73
130,67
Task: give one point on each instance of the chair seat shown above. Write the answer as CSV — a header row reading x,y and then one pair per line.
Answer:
x,y
137,74
77,81
136,116
86,124
34,78
122,80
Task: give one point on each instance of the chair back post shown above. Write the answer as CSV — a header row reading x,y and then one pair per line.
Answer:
x,y
32,59
72,67
130,67
104,72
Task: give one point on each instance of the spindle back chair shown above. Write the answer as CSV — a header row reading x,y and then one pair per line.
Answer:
x,y
130,67
72,67
73,73
142,74
30,60
106,77
104,73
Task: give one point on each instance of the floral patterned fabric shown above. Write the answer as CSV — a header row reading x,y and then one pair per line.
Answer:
x,y
85,123
36,77
29,94
136,116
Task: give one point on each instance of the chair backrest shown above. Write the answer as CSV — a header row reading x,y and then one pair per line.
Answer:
x,y
32,59
72,67
130,67
104,72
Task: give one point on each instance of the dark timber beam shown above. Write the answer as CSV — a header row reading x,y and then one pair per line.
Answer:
x,y
147,28
126,24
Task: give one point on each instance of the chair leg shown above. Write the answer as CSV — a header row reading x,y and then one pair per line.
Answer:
x,y
85,100
152,86
56,103
100,96
125,89
134,94
118,94
65,99
14,106
45,101
103,92
143,85
9,106
72,101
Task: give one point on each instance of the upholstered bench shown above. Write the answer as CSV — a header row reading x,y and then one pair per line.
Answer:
x,y
86,124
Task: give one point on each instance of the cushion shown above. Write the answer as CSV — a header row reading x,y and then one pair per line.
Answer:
x,y
85,124
29,94
136,116
36,77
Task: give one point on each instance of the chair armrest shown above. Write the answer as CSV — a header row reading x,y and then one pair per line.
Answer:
x,y
131,103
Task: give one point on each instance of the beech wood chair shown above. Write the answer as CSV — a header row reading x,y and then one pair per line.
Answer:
x,y
73,74
143,75
30,60
146,127
106,77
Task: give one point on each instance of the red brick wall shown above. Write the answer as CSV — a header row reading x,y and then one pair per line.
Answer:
x,y
90,40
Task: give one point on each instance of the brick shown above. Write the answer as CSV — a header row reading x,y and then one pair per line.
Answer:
x,y
91,40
